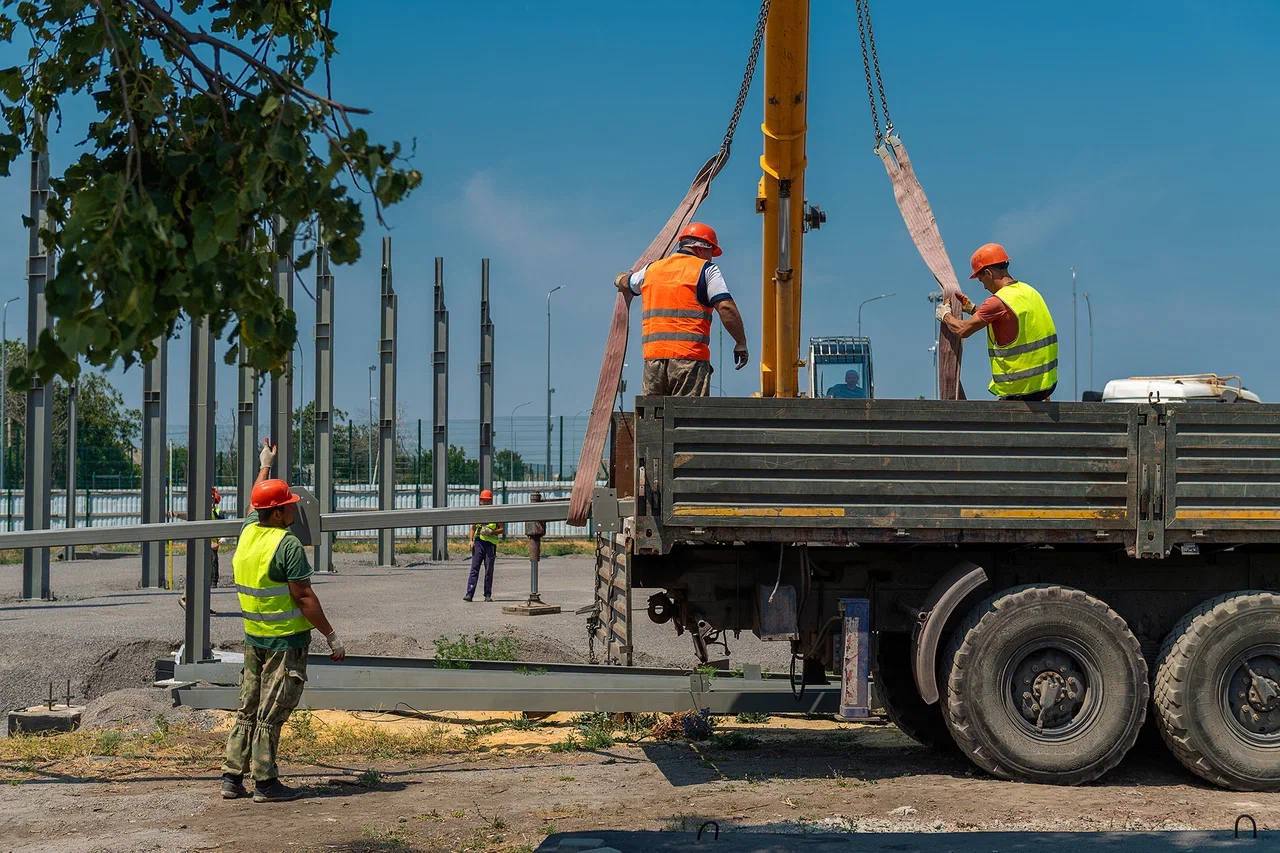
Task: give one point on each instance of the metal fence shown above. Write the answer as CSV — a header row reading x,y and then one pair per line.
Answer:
x,y
119,507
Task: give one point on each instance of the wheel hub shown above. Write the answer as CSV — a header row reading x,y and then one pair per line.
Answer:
x,y
1253,694
1051,688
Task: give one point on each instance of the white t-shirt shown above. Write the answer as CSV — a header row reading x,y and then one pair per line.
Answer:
x,y
711,284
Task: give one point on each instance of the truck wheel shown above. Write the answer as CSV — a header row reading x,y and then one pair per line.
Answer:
x,y
1217,694
896,688
1046,684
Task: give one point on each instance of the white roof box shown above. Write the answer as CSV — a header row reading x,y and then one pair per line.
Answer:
x,y
1193,388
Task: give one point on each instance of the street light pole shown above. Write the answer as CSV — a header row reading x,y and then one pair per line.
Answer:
x,y
1089,307
511,453
370,442
549,388
1075,341
864,302
4,384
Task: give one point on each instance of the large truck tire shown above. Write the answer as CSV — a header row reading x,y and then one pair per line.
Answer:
x,y
1217,693
1045,684
896,687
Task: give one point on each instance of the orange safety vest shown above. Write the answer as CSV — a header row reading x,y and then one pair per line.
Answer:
x,y
676,324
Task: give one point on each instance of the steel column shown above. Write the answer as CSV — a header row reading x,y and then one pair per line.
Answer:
x,y
440,417
246,431
486,380
282,385
199,482
39,435
73,391
155,374
387,408
324,403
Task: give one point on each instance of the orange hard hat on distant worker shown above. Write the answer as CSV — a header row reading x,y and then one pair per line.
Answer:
x,y
704,232
270,494
986,255
486,495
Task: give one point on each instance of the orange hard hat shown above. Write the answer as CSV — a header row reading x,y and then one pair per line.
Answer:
x,y
986,255
486,495
216,495
704,232
270,494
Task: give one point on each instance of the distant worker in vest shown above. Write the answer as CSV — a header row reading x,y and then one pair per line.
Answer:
x,y
678,295
215,544
1022,340
484,551
850,389
280,608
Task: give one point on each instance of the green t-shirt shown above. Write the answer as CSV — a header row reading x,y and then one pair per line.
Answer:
x,y
288,564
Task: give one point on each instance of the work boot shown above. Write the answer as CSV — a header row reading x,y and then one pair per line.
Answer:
x,y
233,787
274,791
466,598
488,598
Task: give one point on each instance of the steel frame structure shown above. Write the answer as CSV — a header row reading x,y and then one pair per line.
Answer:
x,y
387,408
440,417
39,436
324,403
155,376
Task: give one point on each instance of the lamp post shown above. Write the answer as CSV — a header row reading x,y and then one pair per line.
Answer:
x,y
511,458
1075,346
4,384
864,302
1089,308
550,390
372,368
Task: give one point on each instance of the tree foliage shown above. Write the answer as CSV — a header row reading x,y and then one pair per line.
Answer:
x,y
210,120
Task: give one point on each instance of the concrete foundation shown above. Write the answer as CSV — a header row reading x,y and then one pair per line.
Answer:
x,y
42,719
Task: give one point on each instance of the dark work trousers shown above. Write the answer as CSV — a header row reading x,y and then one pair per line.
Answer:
x,y
482,552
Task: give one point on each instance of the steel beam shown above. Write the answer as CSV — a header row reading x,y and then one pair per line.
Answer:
x,y
199,482
246,430
39,435
486,380
73,391
387,408
155,375
282,385
324,403
440,417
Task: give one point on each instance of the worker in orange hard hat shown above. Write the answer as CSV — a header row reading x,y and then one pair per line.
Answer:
x,y
279,608
484,551
215,544
679,294
1022,340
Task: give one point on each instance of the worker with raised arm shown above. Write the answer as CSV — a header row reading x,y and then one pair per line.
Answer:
x,y
678,295
279,607
1022,340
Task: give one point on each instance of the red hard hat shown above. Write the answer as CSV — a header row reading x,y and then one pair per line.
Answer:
x,y
986,255
486,495
216,495
270,494
702,231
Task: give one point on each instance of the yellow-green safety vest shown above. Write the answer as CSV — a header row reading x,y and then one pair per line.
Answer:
x,y
491,533
1029,363
267,607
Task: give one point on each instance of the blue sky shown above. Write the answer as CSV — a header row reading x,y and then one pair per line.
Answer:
x,y
1135,141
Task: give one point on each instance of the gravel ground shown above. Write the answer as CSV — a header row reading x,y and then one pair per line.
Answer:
x,y
104,633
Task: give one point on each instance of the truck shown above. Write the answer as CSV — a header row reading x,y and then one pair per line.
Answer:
x,y
1041,578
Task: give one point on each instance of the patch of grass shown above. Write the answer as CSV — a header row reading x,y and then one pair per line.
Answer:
x,y
473,733
569,744
372,742
596,728
108,742
162,724
752,717
388,837
734,740
707,671
370,778
457,813
302,724
568,779
433,816
524,724
453,653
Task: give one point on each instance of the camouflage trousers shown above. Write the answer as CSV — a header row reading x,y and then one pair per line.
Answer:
x,y
676,377
270,687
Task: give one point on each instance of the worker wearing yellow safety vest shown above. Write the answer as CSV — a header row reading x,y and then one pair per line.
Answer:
x,y
1022,340
484,551
279,609
679,294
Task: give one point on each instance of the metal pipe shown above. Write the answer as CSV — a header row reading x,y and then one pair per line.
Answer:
x,y
550,390
39,436
387,415
1089,308
864,302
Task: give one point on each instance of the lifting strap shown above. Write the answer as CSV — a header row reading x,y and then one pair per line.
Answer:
x,y
914,205
615,348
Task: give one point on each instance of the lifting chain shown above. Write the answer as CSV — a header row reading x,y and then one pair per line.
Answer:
x,y
870,68
747,77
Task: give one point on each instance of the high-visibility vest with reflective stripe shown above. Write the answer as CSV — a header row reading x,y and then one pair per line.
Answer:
x,y
676,324
267,607
1028,363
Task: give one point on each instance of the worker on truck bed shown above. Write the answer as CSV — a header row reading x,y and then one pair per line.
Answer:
x,y
678,294
1021,338
279,609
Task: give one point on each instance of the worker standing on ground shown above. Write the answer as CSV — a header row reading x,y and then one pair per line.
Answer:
x,y
279,609
484,551
215,544
1022,340
678,294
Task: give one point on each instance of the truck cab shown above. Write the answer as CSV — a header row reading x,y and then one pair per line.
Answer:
x,y
840,368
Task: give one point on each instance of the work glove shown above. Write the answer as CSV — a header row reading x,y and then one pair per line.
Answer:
x,y
623,282
267,456
943,310
740,357
337,651
966,304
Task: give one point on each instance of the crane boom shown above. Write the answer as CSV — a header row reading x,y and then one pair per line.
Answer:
x,y
780,196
